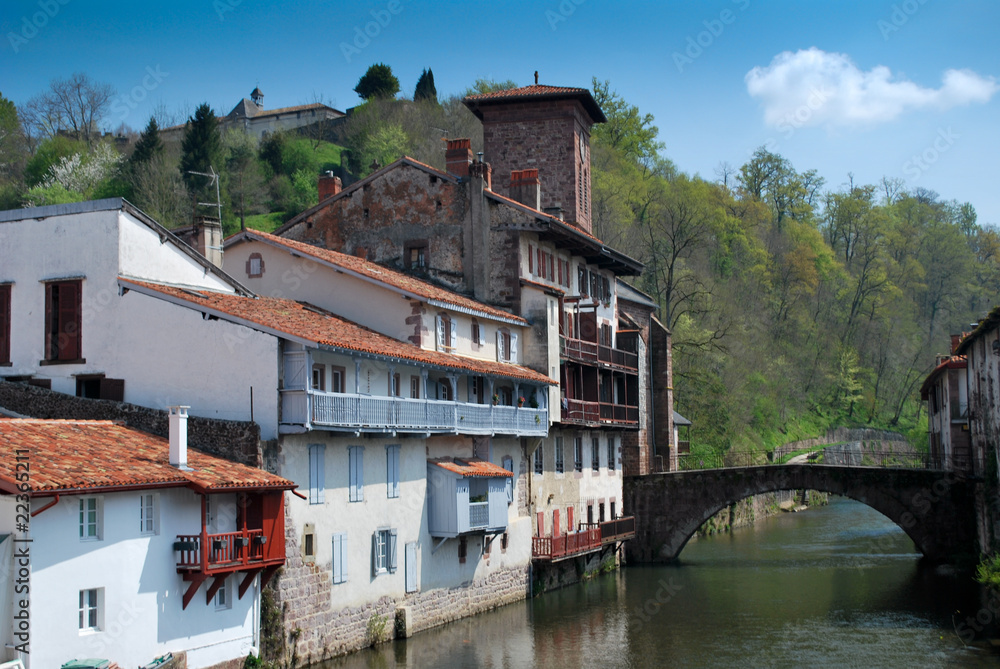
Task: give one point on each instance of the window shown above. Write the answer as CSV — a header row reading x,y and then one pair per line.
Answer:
x,y
384,552
531,260
581,280
90,609
578,454
392,471
539,463
560,464
415,387
613,511
595,454
319,377
552,270
4,324
595,285
477,334
357,490
415,254
337,376
508,464
148,513
223,600
90,518
445,333
506,345
339,557
255,265
62,321
477,390
611,454
463,549
605,289
317,473
505,396
308,543
394,385
444,390
96,386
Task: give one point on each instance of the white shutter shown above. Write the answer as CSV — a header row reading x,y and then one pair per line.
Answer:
x,y
513,347
482,335
375,553
392,471
391,552
339,557
499,346
411,567
441,343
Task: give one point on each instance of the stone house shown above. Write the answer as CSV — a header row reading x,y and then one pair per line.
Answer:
x,y
947,395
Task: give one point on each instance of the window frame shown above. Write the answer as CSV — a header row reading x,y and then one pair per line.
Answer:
x,y
423,256
258,271
317,380
338,378
578,454
595,454
384,548
538,460
92,609
98,517
560,457
56,329
612,454
223,597
149,514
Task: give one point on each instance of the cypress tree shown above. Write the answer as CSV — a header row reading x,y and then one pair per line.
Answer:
x,y
425,89
149,144
201,149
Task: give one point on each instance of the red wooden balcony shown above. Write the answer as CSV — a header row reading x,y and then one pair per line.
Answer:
x,y
619,529
566,545
596,414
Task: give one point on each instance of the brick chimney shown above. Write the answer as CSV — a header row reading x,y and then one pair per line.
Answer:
x,y
526,188
178,418
328,185
956,339
458,157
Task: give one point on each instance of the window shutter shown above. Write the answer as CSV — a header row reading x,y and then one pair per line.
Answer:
x,y
343,556
317,475
481,336
5,323
339,557
375,553
441,343
391,551
112,389
69,320
499,345
531,264
357,491
392,471
513,347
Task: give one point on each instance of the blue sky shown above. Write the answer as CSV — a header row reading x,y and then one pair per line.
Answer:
x,y
901,88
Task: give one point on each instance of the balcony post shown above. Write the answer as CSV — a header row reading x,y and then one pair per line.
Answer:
x,y
489,394
204,535
423,391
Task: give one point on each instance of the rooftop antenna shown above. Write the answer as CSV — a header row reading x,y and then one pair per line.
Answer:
x,y
213,180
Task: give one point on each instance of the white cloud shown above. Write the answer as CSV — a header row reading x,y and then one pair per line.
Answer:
x,y
816,88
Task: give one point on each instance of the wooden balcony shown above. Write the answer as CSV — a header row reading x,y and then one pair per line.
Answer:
x,y
402,414
598,354
619,529
591,537
597,414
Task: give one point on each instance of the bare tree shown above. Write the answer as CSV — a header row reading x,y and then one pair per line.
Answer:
x,y
76,105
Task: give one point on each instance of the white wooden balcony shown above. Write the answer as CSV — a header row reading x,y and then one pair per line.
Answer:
x,y
344,411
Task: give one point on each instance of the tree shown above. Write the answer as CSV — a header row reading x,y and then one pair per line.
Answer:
x,y
377,82
483,86
244,180
76,105
149,144
626,130
201,151
425,89
159,191
13,154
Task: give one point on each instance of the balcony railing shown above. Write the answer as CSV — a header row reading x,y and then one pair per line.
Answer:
x,y
479,514
566,545
599,413
341,410
618,529
225,551
591,352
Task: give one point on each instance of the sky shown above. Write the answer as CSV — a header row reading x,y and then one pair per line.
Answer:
x,y
853,89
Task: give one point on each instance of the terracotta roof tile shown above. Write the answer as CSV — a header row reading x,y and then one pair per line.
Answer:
x,y
322,328
533,93
387,276
98,454
472,467
527,91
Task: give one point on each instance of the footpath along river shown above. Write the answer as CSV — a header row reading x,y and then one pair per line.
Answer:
x,y
835,586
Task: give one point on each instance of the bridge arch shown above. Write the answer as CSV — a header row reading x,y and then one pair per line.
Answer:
x,y
934,508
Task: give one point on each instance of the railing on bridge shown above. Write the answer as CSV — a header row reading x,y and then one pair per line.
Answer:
x,y
859,457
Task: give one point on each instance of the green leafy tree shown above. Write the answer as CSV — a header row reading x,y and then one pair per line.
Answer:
x,y
377,82
425,90
483,86
627,130
244,181
13,154
201,151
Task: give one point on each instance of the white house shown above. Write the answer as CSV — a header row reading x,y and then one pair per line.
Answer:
x,y
111,532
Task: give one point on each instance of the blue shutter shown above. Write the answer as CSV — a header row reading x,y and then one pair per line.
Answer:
x,y
317,474
375,553
357,483
411,567
392,471
339,557
391,552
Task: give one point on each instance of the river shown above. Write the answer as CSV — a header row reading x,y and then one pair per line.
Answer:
x,y
835,586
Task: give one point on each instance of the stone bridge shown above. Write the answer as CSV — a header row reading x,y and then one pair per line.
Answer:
x,y
935,508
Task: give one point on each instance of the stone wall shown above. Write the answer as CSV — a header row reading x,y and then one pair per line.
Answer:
x,y
886,438
233,440
552,576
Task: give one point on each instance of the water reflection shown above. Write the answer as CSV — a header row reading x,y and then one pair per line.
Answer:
x,y
837,586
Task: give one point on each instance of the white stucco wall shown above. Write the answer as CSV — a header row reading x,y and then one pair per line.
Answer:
x,y
142,591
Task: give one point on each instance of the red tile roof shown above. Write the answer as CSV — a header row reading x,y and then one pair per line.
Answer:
x,y
536,92
303,321
384,275
94,455
543,287
472,467
953,362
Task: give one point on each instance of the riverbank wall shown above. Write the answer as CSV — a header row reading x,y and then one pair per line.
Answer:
x,y
746,512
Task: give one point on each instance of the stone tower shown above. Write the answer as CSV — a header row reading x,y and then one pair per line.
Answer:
x,y
545,128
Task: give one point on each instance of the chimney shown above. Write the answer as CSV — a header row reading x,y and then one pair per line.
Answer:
x,y
556,211
178,419
328,185
956,339
208,238
525,188
483,171
458,157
